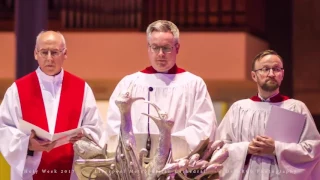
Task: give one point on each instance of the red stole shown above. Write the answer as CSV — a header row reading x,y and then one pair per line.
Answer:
x,y
56,164
275,99
173,70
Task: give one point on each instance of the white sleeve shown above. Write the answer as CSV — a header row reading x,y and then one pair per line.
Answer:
x,y
113,114
202,121
14,143
300,161
234,164
91,121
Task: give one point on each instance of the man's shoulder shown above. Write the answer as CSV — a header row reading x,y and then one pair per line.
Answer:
x,y
74,80
190,79
191,76
131,76
188,73
243,101
134,74
295,102
26,77
12,89
243,104
73,76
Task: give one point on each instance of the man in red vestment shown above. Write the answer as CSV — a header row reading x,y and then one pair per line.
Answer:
x,y
54,100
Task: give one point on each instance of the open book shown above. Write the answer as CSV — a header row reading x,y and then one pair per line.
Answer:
x,y
61,138
285,125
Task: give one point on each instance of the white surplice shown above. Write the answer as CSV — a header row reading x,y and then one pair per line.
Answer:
x,y
244,121
14,143
183,96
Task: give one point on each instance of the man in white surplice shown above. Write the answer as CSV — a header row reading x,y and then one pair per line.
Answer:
x,y
255,156
183,95
52,99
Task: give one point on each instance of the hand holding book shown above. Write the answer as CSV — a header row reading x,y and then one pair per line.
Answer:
x,y
36,144
76,138
43,138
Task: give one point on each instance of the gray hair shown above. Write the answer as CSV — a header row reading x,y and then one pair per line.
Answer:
x,y
59,33
163,26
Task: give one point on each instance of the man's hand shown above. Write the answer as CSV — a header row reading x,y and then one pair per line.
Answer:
x,y
253,149
35,144
76,138
262,145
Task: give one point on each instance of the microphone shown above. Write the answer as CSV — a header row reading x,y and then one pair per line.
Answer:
x,y
148,143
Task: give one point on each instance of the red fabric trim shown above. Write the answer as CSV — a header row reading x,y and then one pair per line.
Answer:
x,y
274,99
31,100
57,163
174,70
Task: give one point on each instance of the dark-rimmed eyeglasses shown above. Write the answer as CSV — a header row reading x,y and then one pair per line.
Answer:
x,y
266,70
165,49
54,53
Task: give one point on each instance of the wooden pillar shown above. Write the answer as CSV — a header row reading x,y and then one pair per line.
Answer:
x,y
31,17
279,18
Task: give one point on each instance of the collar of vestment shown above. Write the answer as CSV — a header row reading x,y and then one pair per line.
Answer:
x,y
174,70
275,99
44,77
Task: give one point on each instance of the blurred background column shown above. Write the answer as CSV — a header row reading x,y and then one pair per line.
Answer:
x,y
31,17
306,40
279,23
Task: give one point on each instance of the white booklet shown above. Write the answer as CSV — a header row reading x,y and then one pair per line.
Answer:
x,y
284,125
61,138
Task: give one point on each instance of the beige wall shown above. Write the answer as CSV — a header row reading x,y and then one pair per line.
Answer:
x,y
111,55
253,46
103,58
7,55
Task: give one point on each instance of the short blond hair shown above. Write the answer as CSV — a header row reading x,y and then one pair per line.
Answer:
x,y
263,54
163,26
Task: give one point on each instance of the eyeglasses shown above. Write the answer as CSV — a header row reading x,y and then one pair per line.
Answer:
x,y
54,53
266,70
165,49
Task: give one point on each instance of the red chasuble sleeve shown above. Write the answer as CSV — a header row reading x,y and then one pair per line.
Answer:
x,y
56,164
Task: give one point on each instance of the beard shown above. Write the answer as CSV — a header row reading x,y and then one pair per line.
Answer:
x,y
269,85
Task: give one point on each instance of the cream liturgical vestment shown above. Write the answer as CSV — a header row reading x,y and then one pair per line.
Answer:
x,y
56,104
247,119
181,94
